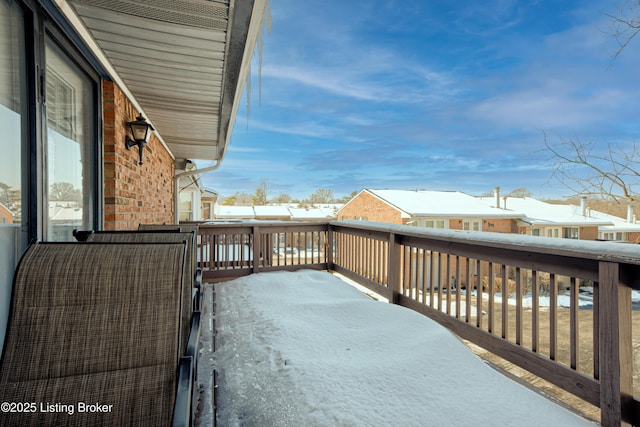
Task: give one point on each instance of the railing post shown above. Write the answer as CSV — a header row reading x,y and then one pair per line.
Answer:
x,y
394,268
616,368
255,230
329,247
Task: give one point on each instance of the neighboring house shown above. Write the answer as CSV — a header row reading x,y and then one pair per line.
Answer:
x,y
432,209
455,210
6,216
567,221
553,220
622,230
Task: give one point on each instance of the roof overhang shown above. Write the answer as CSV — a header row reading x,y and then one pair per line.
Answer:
x,y
182,63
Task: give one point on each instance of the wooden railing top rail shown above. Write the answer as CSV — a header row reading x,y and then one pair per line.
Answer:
x,y
263,223
585,249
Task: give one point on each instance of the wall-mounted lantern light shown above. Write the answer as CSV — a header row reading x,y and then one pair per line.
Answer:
x,y
141,132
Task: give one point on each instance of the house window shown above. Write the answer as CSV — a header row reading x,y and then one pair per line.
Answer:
x,y
471,225
571,233
553,232
535,231
618,236
186,206
431,223
361,218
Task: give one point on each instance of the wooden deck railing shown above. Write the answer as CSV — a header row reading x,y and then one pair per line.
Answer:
x,y
458,279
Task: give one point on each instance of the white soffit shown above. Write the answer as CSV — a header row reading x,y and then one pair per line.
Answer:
x,y
183,61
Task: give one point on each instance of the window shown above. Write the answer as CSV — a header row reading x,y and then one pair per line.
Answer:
x,y
571,233
618,236
472,225
553,232
70,110
186,206
435,224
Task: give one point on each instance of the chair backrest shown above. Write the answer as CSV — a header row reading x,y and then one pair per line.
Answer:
x,y
181,227
93,323
161,237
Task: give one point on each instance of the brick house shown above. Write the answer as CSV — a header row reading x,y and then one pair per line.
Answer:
x,y
458,211
433,209
566,220
6,216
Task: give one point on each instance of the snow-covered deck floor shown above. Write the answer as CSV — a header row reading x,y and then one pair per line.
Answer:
x,y
306,348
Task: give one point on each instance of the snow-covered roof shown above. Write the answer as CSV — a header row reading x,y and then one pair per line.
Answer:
x,y
541,213
272,211
59,213
284,212
307,349
223,211
427,203
310,213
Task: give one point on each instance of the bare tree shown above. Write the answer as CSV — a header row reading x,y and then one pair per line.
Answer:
x,y
282,198
238,199
520,192
261,194
625,24
321,195
613,173
64,191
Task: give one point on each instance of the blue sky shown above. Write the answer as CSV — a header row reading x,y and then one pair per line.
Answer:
x,y
436,95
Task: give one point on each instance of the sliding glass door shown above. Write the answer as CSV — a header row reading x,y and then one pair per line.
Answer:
x,y
70,110
14,188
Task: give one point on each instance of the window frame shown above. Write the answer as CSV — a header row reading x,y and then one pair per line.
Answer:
x,y
40,25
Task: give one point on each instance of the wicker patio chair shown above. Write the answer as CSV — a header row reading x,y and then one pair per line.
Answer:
x,y
92,338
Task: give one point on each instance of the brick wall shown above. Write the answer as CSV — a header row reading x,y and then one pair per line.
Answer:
x,y
371,209
133,193
588,233
500,225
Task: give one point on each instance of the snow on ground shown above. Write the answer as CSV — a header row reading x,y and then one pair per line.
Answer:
x,y
306,348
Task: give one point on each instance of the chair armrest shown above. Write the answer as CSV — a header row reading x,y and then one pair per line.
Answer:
x,y
198,278
198,291
196,300
194,336
184,392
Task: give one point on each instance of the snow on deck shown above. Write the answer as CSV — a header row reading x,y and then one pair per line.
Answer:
x,y
305,348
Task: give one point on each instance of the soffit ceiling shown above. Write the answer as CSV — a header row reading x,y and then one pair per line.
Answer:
x,y
183,62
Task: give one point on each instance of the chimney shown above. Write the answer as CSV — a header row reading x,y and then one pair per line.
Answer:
x,y
630,212
496,194
583,205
